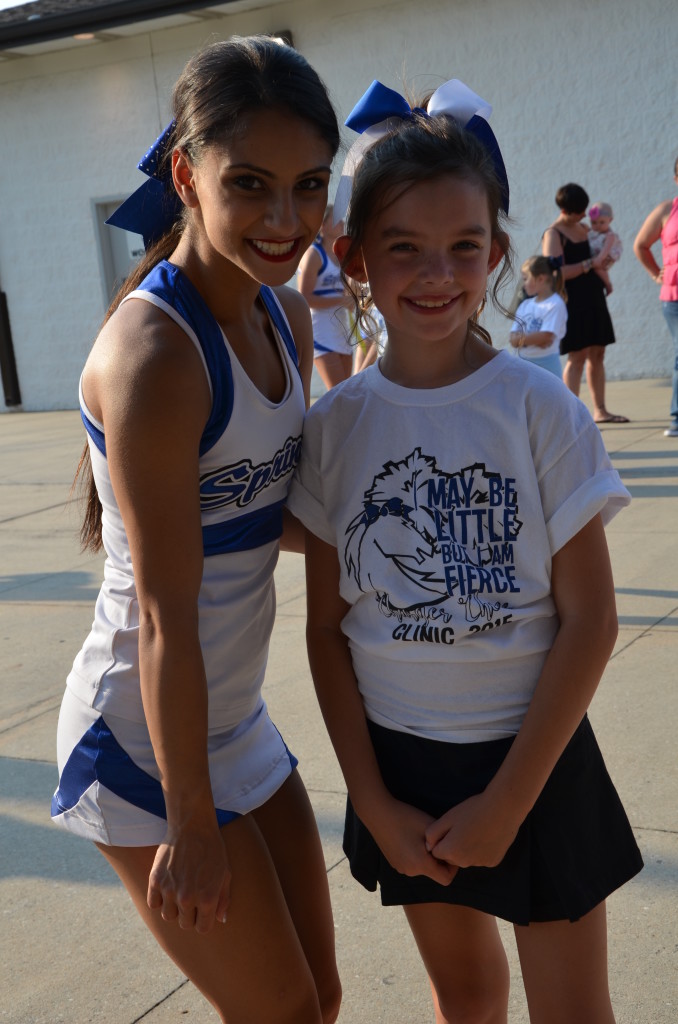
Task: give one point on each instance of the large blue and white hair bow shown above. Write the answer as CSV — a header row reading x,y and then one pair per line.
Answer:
x,y
153,208
381,109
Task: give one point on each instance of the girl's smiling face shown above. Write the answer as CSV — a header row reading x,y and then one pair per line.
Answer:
x,y
259,199
427,255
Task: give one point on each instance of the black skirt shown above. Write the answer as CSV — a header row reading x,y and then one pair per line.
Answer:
x,y
588,318
574,848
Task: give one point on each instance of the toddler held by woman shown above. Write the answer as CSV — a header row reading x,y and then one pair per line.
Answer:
x,y
603,242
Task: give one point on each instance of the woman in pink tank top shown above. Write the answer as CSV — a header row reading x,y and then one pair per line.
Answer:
x,y
662,224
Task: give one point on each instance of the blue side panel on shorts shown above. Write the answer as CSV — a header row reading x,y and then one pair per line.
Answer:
x,y
98,757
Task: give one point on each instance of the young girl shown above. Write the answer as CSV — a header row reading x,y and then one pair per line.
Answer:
x,y
193,406
460,600
321,284
541,319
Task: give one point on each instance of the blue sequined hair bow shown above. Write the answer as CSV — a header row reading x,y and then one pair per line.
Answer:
x,y
379,111
154,207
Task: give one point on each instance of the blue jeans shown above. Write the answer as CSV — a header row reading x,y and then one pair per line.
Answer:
x,y
670,311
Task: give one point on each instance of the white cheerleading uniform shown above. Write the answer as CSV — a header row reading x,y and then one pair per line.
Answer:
x,y
331,327
109,789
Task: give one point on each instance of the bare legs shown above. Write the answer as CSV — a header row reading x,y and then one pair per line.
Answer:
x,y
465,960
564,969
564,966
334,367
273,960
595,374
593,358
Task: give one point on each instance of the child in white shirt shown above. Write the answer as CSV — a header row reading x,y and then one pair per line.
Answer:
x,y
541,318
460,598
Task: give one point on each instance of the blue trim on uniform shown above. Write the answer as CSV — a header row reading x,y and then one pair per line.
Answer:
x,y
324,259
251,530
94,432
321,348
168,283
171,284
279,320
98,757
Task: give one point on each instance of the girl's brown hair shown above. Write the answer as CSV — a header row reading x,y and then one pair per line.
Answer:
x,y
423,148
547,266
218,87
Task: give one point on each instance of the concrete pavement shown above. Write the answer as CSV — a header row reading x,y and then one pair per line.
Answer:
x,y
71,947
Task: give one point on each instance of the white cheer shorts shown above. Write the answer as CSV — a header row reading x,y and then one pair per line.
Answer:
x,y
109,789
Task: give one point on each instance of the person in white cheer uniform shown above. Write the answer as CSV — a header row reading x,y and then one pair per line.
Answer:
x,y
321,284
193,399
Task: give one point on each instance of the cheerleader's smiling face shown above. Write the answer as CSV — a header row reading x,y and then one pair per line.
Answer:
x,y
258,200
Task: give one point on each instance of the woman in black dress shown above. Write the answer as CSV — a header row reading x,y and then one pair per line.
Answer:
x,y
589,327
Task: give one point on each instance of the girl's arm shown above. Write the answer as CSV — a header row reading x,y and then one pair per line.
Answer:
x,y
552,246
650,233
540,339
480,830
397,828
307,275
365,357
603,256
308,278
154,401
553,325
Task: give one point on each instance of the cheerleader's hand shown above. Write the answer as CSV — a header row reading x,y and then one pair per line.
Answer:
x,y
475,833
399,830
190,879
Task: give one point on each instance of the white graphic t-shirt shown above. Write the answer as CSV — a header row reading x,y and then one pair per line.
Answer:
x,y
547,315
446,507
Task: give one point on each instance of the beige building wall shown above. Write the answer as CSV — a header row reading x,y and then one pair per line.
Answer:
x,y
582,91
